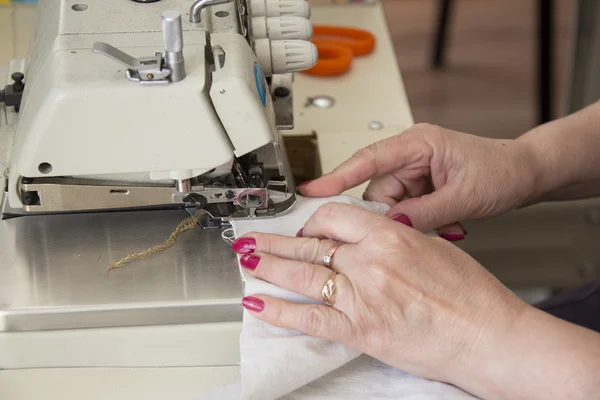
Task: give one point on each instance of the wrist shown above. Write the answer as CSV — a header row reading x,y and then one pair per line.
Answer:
x,y
483,371
535,356
564,152
548,171
530,172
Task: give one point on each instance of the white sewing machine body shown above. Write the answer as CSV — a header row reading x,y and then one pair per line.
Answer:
x,y
196,125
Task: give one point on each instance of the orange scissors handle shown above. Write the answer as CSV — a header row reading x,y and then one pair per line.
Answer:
x,y
359,41
337,47
333,59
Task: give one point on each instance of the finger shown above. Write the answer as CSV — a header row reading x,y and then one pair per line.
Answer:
x,y
452,229
385,189
311,319
430,211
452,232
344,223
306,249
417,187
390,189
378,159
299,277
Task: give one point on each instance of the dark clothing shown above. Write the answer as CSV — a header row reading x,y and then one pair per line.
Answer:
x,y
580,306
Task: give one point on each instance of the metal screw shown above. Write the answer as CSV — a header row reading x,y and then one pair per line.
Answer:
x,y
17,77
150,76
281,92
375,125
195,198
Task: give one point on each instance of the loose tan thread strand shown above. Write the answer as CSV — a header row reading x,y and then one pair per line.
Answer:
x,y
184,226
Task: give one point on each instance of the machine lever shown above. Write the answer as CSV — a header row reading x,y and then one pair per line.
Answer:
x,y
142,70
116,54
153,70
199,5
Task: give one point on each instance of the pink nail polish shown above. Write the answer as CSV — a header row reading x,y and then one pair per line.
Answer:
x,y
244,245
303,183
403,219
299,234
249,261
253,304
452,237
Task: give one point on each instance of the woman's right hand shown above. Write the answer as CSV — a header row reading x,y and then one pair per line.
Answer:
x,y
435,177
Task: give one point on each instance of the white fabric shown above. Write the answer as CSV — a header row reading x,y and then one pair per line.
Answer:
x,y
280,363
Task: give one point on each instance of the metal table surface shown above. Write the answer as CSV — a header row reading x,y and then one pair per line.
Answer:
x,y
52,273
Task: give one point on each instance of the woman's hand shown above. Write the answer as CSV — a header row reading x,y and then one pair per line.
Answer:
x,y
420,304
434,177
414,302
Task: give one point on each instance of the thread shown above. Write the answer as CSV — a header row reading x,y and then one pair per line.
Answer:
x,y
184,226
228,235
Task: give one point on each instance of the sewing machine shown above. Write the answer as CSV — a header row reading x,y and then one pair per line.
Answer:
x,y
96,139
162,116
121,106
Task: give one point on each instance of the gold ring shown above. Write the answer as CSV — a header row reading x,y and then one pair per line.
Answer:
x,y
329,290
328,258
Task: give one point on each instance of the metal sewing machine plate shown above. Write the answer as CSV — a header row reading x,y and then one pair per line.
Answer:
x,y
53,273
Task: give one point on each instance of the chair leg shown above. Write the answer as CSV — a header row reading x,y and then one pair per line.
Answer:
x,y
441,34
545,42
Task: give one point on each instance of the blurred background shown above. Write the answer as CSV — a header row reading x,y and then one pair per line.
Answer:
x,y
488,83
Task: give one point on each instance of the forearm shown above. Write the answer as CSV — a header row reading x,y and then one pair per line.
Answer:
x,y
567,154
540,357
576,191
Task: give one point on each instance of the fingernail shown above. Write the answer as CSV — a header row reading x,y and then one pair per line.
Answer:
x,y
304,183
452,237
299,233
244,245
253,304
249,261
403,219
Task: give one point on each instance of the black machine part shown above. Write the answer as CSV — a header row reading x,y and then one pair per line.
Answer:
x,y
11,95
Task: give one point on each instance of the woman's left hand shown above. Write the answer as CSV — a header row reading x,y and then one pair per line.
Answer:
x,y
414,302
